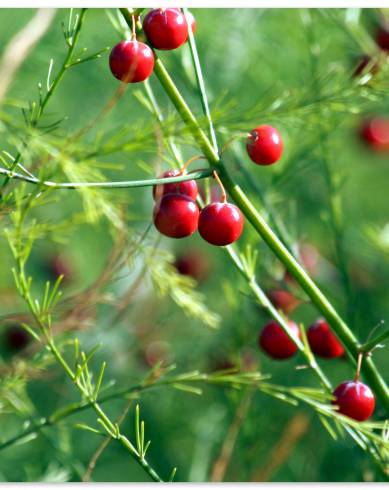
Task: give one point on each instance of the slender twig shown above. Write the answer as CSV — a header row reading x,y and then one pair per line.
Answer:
x,y
264,230
220,466
371,344
294,430
20,46
200,81
103,446
268,306
196,174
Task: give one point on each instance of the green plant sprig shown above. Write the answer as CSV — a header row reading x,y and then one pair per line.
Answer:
x,y
187,382
71,34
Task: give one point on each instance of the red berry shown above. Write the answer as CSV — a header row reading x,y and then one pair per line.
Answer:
x,y
382,37
188,187
176,215
283,300
131,61
192,20
375,133
17,338
355,399
221,223
193,263
166,28
323,341
275,342
264,145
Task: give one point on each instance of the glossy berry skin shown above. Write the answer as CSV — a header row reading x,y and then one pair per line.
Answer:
x,y
323,341
375,133
131,61
354,399
276,343
192,20
176,215
188,188
264,145
166,29
221,223
382,37
283,300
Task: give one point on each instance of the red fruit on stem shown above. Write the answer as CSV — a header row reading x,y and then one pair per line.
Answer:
x,y
323,341
17,338
382,37
375,133
275,342
176,215
131,61
166,28
221,223
283,300
193,263
188,187
354,399
264,145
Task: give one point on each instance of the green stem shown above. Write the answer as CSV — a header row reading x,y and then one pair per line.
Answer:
x,y
317,297
73,409
49,93
195,175
200,81
64,67
267,304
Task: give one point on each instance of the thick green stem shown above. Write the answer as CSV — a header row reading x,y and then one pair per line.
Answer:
x,y
317,297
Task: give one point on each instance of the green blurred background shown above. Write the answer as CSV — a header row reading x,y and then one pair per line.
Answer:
x,y
260,66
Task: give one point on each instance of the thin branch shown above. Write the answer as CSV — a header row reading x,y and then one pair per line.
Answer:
x,y
195,175
21,45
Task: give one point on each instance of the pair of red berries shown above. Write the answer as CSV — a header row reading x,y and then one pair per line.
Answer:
x,y
353,398
276,343
166,29
177,215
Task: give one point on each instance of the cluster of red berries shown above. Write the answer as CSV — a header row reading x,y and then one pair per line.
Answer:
x,y
133,61
220,223
353,398
177,215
